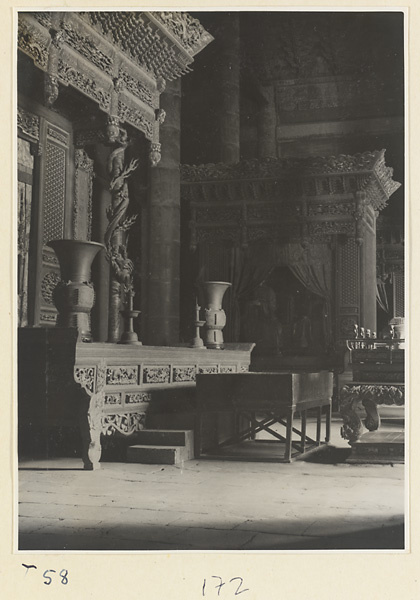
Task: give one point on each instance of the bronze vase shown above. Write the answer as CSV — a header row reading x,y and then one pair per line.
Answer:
x,y
74,295
214,314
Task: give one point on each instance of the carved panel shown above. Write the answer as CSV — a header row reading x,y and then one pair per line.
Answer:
x,y
87,48
88,85
227,369
349,273
135,117
182,374
112,399
121,375
54,192
125,424
85,376
83,187
48,317
137,88
137,397
33,42
158,374
243,368
398,290
48,285
208,369
28,123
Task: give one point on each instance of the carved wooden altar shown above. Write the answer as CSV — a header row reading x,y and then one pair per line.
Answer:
x,y
378,380
109,389
333,201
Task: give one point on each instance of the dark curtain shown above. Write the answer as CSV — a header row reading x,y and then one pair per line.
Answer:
x,y
381,296
253,265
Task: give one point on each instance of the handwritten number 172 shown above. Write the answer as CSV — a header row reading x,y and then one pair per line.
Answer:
x,y
222,583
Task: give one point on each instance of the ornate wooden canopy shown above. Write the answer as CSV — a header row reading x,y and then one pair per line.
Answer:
x,y
306,200
120,60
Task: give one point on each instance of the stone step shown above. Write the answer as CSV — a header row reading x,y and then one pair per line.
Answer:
x,y
165,437
159,455
378,448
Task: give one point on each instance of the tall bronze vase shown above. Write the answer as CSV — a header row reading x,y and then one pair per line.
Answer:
x,y
74,295
214,314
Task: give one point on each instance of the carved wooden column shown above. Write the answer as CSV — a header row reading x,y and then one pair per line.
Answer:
x,y
229,89
267,122
161,321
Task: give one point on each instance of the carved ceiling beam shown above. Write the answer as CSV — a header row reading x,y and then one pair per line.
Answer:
x,y
120,60
309,200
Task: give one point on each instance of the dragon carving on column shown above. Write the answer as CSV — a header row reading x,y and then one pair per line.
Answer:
x,y
115,237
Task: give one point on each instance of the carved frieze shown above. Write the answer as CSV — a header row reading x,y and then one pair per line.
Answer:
x,y
137,397
243,368
158,374
227,369
184,374
120,375
33,42
87,48
47,317
208,369
136,117
83,82
126,424
137,88
28,123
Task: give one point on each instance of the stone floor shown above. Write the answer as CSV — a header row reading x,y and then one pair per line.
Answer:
x,y
317,504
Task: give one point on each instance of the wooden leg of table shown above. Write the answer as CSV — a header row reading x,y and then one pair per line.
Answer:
x,y
252,426
197,435
288,449
303,431
318,425
328,424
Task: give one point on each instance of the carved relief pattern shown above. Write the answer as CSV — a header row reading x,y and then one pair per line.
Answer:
x,y
181,374
136,118
60,136
208,369
87,48
48,285
227,369
328,208
349,273
137,88
84,163
126,424
156,374
212,214
85,84
121,375
54,192
28,123
399,296
351,396
188,30
49,258
33,42
137,397
112,399
243,368
85,376
47,317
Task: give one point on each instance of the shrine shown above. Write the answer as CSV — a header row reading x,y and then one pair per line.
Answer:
x,y
210,234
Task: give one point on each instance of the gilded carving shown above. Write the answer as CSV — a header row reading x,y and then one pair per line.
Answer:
x,y
156,374
87,48
121,375
137,88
